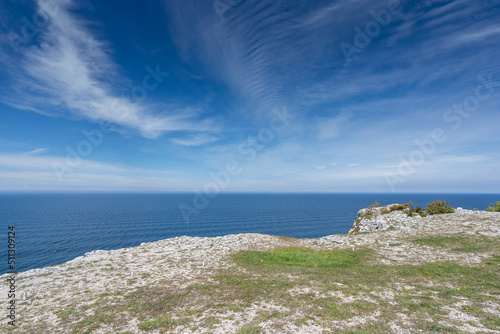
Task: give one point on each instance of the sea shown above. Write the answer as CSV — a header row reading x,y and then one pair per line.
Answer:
x,y
54,228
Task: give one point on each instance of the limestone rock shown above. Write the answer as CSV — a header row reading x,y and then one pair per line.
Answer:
x,y
375,218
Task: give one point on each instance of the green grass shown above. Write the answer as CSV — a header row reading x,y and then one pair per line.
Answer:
x,y
330,308
435,270
93,322
318,287
376,328
461,242
249,329
65,314
433,327
300,257
360,276
162,322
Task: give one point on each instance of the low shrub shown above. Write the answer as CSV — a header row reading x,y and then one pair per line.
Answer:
x,y
438,207
420,211
494,207
416,210
398,207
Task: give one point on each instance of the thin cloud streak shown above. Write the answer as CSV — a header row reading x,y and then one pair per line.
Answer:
x,y
45,162
196,140
36,151
353,120
71,68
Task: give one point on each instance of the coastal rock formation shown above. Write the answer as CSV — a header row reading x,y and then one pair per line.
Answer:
x,y
371,219
375,218
195,285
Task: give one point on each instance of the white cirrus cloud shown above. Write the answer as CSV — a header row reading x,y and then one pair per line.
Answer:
x,y
29,161
72,71
332,127
36,151
196,140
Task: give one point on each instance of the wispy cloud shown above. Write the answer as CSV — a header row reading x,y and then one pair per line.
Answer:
x,y
322,15
332,127
476,36
72,69
196,140
461,159
33,162
38,171
353,120
37,180
36,151
248,51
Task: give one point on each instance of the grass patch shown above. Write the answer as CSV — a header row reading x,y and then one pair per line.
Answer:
x,y
299,257
375,328
162,322
353,274
210,322
244,288
154,301
435,270
317,287
461,242
493,261
95,321
491,322
249,329
65,314
433,327
301,321
332,308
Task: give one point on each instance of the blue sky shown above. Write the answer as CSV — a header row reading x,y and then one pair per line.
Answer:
x,y
257,96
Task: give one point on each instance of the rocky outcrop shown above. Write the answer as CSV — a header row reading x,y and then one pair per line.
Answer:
x,y
379,218
115,291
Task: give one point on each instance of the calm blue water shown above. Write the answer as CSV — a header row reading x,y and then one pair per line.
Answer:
x,y
55,228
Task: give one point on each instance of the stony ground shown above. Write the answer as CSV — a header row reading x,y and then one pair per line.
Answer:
x,y
434,274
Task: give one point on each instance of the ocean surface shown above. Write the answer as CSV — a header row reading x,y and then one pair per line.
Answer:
x,y
55,228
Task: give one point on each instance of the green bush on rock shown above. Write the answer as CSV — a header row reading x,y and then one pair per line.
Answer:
x,y
438,207
397,207
494,207
416,210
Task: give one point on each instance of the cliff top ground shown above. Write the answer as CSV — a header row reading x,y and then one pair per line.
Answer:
x,y
440,273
